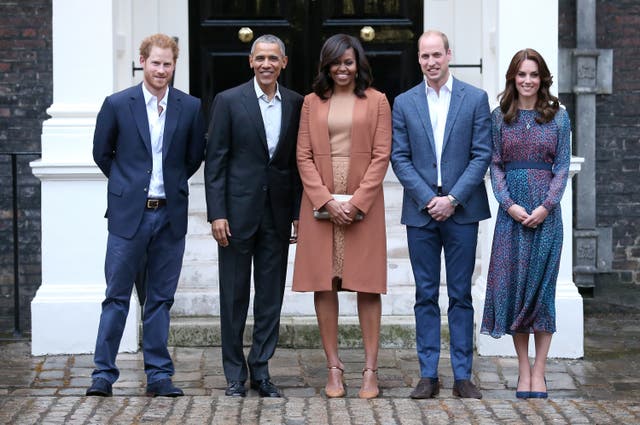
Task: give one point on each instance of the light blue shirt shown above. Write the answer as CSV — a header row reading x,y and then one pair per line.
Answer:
x,y
271,115
438,111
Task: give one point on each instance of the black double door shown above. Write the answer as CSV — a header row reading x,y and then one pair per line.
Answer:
x,y
221,33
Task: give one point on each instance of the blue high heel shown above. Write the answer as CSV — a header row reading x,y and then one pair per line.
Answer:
x,y
539,394
522,394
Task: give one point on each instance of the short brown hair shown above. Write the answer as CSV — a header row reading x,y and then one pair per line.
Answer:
x,y
162,41
443,36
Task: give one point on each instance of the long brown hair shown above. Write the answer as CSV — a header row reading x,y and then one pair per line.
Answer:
x,y
332,50
547,104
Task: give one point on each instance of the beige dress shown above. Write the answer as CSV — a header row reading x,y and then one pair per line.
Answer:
x,y
339,122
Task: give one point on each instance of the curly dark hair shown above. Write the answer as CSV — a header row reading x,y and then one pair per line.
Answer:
x,y
547,104
332,50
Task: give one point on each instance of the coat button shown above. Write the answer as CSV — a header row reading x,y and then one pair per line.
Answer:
x,y
145,189
264,188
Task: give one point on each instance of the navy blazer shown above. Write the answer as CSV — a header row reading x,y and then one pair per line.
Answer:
x,y
466,153
122,150
238,171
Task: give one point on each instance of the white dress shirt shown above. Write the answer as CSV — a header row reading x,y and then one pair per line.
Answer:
x,y
271,115
156,131
438,110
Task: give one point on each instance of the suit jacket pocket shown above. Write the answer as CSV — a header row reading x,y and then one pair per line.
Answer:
x,y
114,188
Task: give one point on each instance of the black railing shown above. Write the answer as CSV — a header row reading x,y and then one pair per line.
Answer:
x,y
17,332
467,65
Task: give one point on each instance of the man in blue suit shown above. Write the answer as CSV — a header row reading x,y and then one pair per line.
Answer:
x,y
441,152
148,141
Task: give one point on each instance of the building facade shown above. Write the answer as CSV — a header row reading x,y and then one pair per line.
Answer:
x,y
74,233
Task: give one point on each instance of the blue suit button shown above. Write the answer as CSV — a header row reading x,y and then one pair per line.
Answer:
x,y
264,187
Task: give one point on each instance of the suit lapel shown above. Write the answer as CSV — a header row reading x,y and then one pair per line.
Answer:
x,y
174,107
250,102
284,120
139,112
321,120
422,106
457,95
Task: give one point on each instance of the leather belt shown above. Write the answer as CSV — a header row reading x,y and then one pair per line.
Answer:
x,y
153,203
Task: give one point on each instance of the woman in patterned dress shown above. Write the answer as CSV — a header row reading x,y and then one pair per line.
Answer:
x,y
529,170
344,144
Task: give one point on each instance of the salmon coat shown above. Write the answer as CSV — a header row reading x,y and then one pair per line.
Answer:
x,y
365,246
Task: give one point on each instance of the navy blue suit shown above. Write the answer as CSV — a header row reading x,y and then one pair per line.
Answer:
x,y
466,154
122,150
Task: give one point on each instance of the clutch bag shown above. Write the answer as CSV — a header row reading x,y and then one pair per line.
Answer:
x,y
323,214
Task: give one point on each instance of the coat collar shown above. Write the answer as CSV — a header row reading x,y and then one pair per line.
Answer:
x,y
457,96
139,112
422,107
250,102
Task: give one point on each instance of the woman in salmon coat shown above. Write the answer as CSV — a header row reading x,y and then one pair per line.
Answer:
x,y
344,144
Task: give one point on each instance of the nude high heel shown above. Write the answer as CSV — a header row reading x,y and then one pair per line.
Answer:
x,y
368,394
340,392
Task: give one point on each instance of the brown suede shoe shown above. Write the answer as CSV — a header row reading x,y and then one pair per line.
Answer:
x,y
464,388
426,388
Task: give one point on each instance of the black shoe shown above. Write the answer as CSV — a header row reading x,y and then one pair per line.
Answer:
x,y
464,388
235,389
265,388
426,388
163,388
100,387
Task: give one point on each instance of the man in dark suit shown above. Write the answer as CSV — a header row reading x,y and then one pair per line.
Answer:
x,y
148,141
253,196
441,152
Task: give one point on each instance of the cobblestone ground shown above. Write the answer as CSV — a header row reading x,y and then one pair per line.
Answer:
x,y
602,388
311,410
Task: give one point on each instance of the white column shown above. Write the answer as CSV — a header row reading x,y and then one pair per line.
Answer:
x,y
66,308
518,26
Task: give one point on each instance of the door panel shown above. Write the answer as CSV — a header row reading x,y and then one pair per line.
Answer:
x,y
392,52
219,59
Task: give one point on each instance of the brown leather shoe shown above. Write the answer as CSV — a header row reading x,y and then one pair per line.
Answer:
x,y
426,388
464,388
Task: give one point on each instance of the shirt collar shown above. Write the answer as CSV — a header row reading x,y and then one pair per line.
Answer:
x,y
260,93
148,97
448,84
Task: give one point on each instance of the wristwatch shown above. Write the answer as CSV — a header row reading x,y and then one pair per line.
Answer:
x,y
454,201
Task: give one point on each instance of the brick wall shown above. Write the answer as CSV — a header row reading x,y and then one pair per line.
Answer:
x,y
617,131
26,90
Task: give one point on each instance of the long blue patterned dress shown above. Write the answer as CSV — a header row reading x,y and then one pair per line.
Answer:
x,y
529,167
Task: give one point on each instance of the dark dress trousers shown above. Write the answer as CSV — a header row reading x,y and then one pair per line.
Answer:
x,y
122,150
260,197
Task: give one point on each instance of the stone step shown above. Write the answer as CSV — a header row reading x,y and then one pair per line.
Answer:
x,y
301,332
